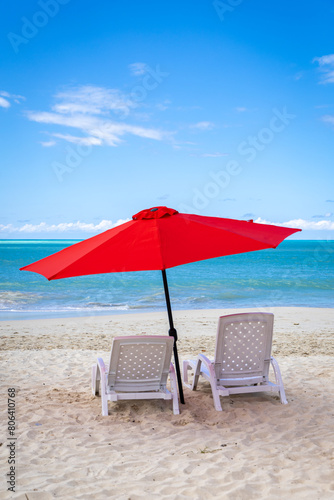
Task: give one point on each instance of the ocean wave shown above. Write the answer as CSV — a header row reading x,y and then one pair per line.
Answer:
x,y
9,298
105,305
150,307
59,309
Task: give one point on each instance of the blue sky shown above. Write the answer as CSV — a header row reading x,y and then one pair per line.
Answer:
x,y
218,108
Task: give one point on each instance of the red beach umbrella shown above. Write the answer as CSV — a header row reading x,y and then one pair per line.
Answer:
x,y
156,239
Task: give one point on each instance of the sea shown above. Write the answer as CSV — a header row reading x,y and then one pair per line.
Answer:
x,y
297,273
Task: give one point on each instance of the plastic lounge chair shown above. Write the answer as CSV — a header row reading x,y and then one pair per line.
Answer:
x,y
138,369
242,358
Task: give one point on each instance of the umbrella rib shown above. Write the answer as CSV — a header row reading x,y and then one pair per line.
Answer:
x,y
76,260
250,237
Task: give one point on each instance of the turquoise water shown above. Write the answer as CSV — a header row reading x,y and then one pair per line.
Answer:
x,y
297,273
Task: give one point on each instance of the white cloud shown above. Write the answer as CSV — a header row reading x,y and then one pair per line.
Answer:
x,y
324,60
213,155
103,225
63,227
203,125
138,68
85,141
328,119
48,144
301,224
6,97
4,103
163,105
243,109
11,96
326,65
298,76
88,110
328,77
328,214
88,99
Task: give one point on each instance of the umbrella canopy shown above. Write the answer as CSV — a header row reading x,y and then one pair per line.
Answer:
x,y
156,239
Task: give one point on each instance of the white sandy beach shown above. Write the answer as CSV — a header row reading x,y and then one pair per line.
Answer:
x,y
255,449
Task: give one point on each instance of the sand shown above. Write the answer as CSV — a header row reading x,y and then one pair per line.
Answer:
x,y
255,448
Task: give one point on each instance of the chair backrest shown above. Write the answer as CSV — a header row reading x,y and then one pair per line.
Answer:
x,y
140,363
243,347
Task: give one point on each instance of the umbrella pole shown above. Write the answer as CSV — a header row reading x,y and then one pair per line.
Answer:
x,y
172,332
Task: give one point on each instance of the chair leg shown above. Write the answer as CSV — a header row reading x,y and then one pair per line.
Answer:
x,y
197,370
211,378
196,375
176,409
186,367
104,405
95,380
279,381
284,401
173,383
193,386
216,398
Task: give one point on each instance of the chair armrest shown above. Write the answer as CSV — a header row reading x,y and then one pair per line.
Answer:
x,y
204,360
101,365
279,380
207,363
102,368
201,358
173,383
172,376
277,371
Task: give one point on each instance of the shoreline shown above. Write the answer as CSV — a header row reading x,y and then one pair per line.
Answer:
x,y
297,330
42,316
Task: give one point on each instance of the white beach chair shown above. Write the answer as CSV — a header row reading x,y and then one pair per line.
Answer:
x,y
242,358
138,369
